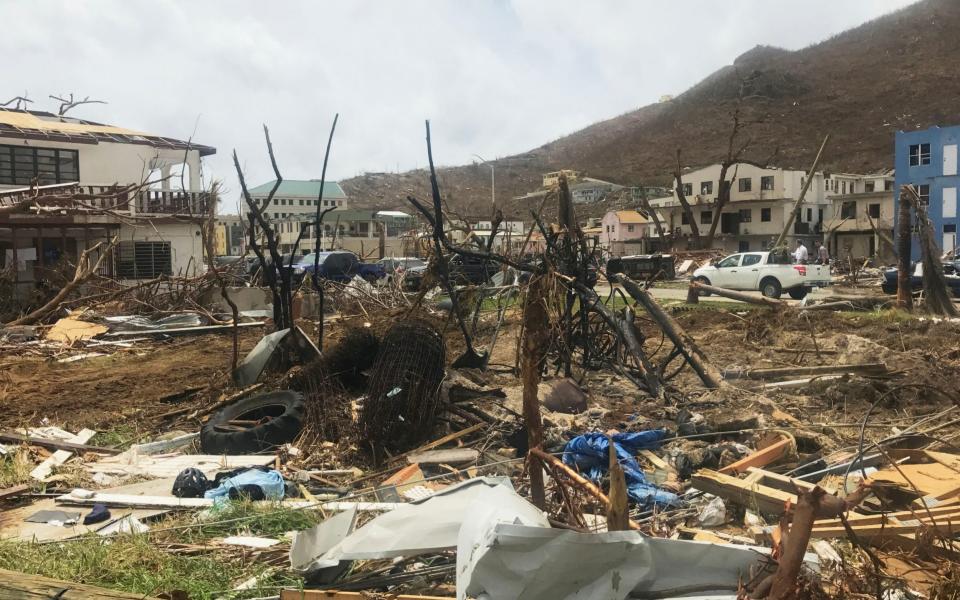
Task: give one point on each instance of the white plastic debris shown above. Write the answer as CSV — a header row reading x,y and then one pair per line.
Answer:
x,y
713,514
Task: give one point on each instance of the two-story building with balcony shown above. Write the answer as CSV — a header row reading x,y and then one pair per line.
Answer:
x,y
760,203
859,225
927,160
98,182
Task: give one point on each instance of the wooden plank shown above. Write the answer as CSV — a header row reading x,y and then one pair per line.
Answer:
x,y
337,595
9,436
444,440
203,329
767,499
12,492
44,469
36,587
776,480
761,458
879,530
174,503
944,513
171,466
451,456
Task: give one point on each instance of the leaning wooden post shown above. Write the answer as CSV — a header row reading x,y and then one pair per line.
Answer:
x,y
709,375
904,287
536,337
693,294
781,241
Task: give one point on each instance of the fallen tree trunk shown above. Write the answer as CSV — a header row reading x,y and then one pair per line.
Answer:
x,y
710,375
734,295
877,368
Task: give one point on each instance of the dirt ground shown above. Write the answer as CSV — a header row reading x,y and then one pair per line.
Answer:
x,y
133,388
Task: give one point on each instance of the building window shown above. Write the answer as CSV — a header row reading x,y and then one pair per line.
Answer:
x,y
764,215
363,228
809,215
706,188
687,189
301,202
766,183
843,187
746,215
19,165
868,186
826,185
919,154
848,210
684,219
746,184
887,185
873,210
143,260
949,227
706,217
630,228
923,190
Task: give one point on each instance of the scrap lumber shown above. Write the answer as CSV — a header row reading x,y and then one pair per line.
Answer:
x,y
439,442
175,503
453,456
44,469
764,456
869,369
24,585
9,436
618,511
202,329
743,492
13,492
171,466
709,375
735,295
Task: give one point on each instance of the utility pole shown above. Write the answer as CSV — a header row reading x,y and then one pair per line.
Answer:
x,y
493,182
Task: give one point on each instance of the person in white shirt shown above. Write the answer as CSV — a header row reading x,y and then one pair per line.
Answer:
x,y
800,254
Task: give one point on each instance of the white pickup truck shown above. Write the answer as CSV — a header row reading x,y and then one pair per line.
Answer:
x,y
753,271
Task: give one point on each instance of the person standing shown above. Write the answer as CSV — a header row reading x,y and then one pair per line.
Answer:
x,y
823,255
800,255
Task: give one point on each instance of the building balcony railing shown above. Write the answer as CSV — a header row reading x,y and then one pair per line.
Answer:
x,y
114,198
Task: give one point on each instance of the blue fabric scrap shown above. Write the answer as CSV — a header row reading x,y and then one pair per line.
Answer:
x,y
589,454
271,482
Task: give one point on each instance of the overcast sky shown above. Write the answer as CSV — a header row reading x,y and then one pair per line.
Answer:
x,y
494,77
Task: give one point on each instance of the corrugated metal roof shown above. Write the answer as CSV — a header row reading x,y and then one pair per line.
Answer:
x,y
631,216
299,188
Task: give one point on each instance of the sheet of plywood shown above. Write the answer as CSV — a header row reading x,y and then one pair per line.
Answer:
x,y
12,524
935,480
69,330
44,469
170,466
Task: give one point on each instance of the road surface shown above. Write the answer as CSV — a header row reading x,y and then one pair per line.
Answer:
x,y
671,293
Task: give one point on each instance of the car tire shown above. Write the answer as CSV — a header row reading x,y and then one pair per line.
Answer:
x,y
798,293
704,281
280,417
771,288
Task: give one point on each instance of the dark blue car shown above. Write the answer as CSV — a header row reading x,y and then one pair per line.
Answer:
x,y
336,265
951,270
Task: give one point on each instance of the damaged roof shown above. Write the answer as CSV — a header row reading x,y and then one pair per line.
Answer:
x,y
32,124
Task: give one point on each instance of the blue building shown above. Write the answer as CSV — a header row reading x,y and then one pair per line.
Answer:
x,y
927,160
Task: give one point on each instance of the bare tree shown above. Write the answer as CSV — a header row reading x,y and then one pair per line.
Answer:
x,y
69,103
21,101
682,197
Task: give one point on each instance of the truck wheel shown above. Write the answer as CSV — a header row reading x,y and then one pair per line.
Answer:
x,y
798,293
704,281
770,288
254,424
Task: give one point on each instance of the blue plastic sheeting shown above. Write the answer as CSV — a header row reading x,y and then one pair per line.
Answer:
x,y
271,482
589,453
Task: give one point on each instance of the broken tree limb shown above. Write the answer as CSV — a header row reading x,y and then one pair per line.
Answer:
x,y
578,480
618,511
870,369
734,295
784,583
709,375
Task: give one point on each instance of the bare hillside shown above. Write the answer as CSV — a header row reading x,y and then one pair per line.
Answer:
x,y
861,86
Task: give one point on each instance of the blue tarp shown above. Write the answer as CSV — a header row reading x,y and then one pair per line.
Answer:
x,y
589,454
271,482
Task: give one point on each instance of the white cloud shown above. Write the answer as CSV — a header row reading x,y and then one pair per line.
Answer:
x,y
495,78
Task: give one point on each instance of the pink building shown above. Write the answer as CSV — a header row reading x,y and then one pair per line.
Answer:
x,y
623,232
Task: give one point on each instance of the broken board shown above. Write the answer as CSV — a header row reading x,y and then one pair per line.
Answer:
x,y
453,456
44,469
24,585
69,330
171,466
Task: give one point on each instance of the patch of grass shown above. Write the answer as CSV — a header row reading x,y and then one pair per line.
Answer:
x,y
130,563
122,436
249,518
888,315
15,468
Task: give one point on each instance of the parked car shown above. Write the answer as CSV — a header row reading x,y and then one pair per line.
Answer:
x,y
756,271
643,266
465,270
410,270
951,272
336,265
